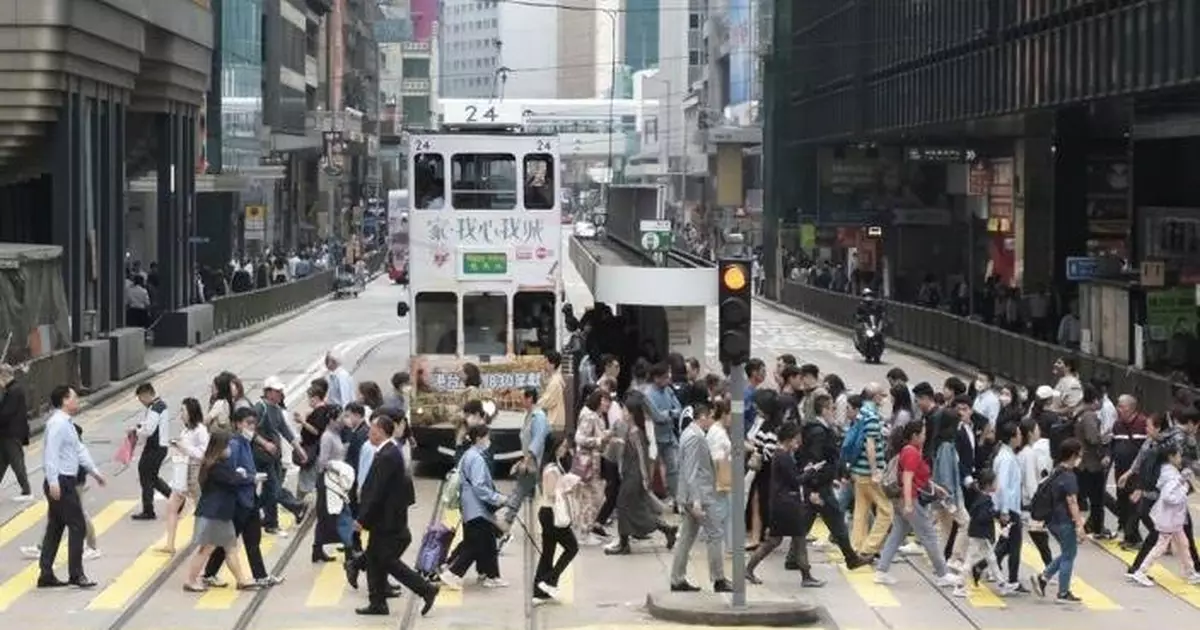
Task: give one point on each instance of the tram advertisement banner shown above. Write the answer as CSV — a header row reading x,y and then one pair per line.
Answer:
x,y
521,247
440,390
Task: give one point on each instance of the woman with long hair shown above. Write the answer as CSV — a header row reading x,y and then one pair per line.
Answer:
x,y
220,401
239,394
902,405
219,483
610,461
556,517
370,395
187,452
639,512
591,435
331,527
768,417
836,388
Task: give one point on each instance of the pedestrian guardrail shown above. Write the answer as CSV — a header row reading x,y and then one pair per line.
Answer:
x,y
43,374
1016,358
239,310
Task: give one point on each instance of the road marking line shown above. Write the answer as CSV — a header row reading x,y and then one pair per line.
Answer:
x,y
25,581
449,597
862,580
144,568
224,598
980,596
1173,584
22,522
1092,599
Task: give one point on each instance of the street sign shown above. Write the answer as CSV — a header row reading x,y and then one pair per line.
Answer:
x,y
256,223
656,236
1082,268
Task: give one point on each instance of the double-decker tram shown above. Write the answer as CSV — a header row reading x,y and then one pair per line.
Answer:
x,y
485,246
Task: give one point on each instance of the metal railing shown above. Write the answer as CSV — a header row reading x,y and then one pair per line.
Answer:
x,y
1016,358
239,310
43,374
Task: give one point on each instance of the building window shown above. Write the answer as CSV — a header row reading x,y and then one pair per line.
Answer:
x,y
415,69
693,20
693,57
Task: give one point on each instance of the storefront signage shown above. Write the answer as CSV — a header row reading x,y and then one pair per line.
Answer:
x,y
1082,268
944,155
439,385
484,263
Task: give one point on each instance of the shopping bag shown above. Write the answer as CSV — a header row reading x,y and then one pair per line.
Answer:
x,y
124,453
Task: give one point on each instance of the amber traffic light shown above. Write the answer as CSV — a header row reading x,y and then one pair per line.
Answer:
x,y
734,297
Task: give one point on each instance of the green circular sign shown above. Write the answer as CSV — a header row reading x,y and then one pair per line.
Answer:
x,y
650,241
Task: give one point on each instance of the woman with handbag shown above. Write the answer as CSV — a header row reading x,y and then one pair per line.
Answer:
x,y
590,439
556,515
312,427
639,512
187,452
721,448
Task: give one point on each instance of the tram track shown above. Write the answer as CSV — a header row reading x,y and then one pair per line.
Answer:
x,y
250,611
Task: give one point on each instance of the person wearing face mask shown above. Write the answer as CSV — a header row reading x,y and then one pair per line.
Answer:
x,y
1128,435
981,534
1065,523
1007,485
987,401
247,522
555,516
479,501
1094,464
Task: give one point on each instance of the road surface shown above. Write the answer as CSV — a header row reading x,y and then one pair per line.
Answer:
x,y
138,590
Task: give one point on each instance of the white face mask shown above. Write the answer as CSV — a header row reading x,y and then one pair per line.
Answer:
x,y
1005,399
248,433
980,385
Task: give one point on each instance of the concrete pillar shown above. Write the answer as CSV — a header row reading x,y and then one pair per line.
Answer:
x,y
68,225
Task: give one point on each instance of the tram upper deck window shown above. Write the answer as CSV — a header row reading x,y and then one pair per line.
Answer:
x,y
485,324
539,181
429,174
436,318
483,181
534,328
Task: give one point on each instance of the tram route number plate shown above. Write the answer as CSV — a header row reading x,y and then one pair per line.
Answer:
x,y
484,263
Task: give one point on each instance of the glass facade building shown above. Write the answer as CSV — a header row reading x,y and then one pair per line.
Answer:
x,y
241,55
641,34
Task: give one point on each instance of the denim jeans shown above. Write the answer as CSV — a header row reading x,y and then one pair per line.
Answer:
x,y
668,453
919,523
720,516
1064,564
345,528
526,487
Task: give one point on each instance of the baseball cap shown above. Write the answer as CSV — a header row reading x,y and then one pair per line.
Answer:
x,y
1045,392
275,383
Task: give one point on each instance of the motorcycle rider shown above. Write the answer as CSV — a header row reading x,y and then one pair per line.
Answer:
x,y
868,307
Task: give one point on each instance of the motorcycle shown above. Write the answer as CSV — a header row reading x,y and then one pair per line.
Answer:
x,y
869,340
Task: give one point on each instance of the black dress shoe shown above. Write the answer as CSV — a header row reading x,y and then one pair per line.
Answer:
x,y
378,610
82,581
722,586
144,516
429,599
351,573
319,555
684,587
50,581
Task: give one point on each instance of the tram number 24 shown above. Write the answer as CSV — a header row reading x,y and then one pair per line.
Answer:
x,y
474,115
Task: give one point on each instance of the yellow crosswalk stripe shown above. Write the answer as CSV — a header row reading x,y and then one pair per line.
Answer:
x,y
329,586
22,522
224,598
1092,598
861,580
144,568
1171,582
25,581
448,597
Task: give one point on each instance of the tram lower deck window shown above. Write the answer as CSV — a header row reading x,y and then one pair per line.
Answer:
x,y
436,317
485,324
534,329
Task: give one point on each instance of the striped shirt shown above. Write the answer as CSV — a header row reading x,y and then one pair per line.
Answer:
x,y
764,441
874,431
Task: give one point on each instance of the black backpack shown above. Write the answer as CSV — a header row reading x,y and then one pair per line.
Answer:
x,y
1042,504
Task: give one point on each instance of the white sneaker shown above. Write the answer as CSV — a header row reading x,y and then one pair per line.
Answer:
x,y
959,591
948,580
885,578
91,554
451,581
494,583
912,549
1009,588
955,565
23,498
552,591
32,552
1141,578
1193,578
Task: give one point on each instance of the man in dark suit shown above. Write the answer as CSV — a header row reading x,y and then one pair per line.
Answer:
x,y
386,497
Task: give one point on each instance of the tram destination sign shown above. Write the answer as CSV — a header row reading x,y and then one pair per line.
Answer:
x,y
484,263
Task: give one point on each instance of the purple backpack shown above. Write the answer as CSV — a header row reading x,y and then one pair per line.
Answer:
x,y
434,547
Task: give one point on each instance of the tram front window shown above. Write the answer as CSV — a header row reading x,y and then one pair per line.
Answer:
x,y
483,181
436,315
534,330
485,324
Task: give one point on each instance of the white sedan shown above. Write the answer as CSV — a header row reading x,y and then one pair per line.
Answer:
x,y
585,229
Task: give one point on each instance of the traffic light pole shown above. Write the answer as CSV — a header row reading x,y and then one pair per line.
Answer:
x,y
737,495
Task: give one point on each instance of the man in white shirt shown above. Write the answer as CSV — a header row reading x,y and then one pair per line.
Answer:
x,y
154,431
341,384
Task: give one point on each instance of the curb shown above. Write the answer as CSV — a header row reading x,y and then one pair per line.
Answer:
x,y
945,362
716,611
115,388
